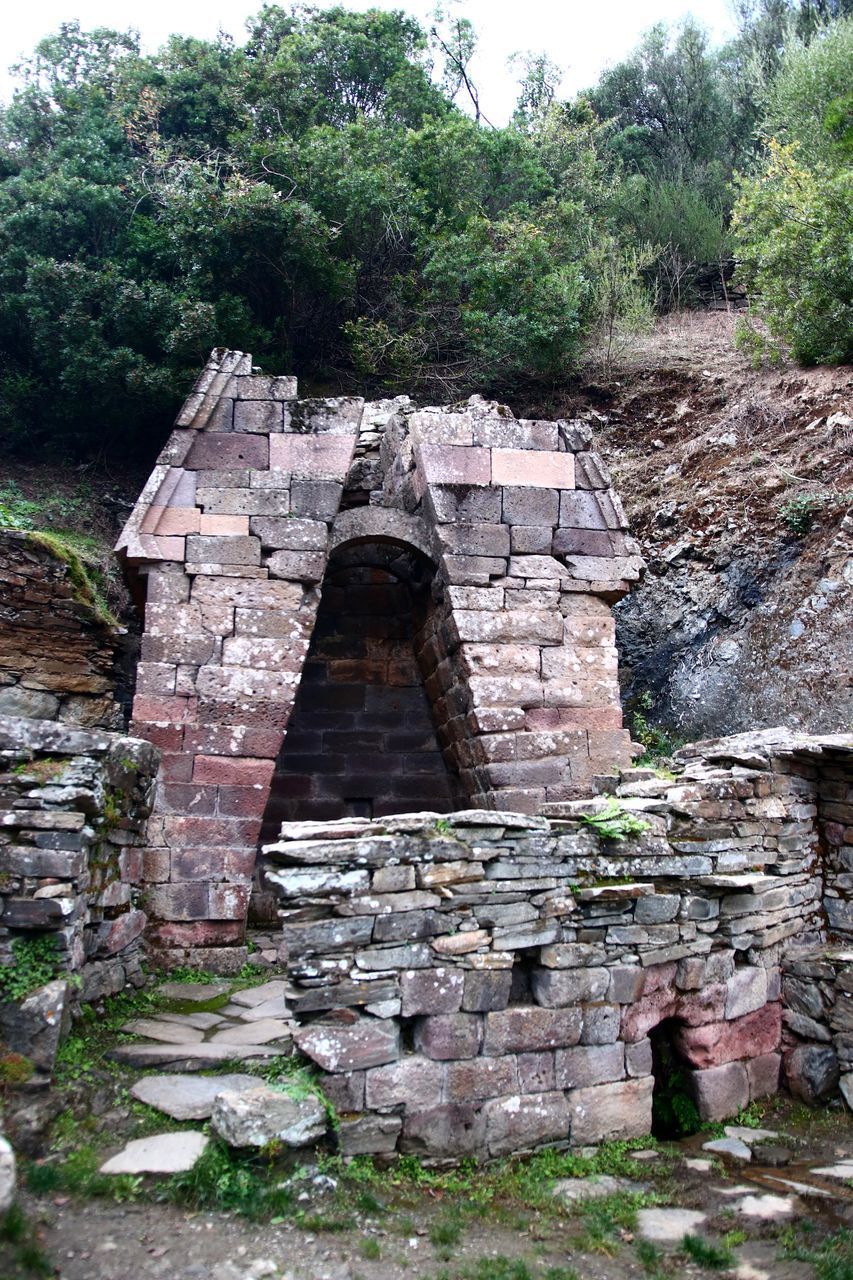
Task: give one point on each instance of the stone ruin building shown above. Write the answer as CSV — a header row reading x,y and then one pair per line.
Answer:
x,y
360,610
377,712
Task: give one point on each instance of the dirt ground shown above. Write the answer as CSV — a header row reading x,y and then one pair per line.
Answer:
x,y
402,1230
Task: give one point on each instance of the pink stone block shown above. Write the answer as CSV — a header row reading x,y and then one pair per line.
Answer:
x,y
537,469
234,770
222,526
454,464
324,457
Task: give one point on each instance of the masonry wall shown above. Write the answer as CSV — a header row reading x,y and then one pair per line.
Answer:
x,y
488,982
527,548
73,805
57,658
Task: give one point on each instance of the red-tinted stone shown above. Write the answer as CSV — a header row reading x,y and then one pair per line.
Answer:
x,y
323,457
718,1042
454,464
234,770
181,831
537,469
639,1019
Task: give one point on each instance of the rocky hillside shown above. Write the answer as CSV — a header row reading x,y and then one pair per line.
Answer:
x,y
738,484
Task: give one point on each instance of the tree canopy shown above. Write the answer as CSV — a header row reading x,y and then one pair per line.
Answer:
x,y
328,195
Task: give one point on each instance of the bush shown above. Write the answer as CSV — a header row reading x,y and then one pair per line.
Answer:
x,y
793,221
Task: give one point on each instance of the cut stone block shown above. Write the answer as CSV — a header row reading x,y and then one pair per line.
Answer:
x,y
367,1043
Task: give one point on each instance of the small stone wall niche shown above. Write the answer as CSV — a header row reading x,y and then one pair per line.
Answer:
x,y
506,677
58,658
484,982
73,806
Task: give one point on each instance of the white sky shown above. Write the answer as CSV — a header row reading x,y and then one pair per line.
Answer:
x,y
580,35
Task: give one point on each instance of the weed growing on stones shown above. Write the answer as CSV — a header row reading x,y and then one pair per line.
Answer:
x,y
78,1175
223,1180
606,1220
649,1257
35,961
614,822
832,1259
711,1256
24,1254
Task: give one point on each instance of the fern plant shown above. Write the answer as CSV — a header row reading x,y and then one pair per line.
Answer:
x,y
613,822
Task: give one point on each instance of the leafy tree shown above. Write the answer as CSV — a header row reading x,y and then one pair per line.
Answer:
x,y
793,220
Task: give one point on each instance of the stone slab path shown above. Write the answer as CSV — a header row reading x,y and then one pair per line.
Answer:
x,y
254,1024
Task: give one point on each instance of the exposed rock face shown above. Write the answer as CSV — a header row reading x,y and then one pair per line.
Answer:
x,y
57,657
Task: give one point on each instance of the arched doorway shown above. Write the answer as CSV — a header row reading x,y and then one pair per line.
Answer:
x,y
361,739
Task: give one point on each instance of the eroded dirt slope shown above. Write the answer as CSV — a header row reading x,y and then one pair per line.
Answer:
x,y
738,484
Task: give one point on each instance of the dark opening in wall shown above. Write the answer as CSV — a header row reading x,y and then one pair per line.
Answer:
x,y
674,1112
361,740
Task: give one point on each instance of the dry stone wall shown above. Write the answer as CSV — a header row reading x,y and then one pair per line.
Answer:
x,y
73,805
507,532
489,982
57,657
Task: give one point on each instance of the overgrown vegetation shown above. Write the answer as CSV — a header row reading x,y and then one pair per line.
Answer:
x,y
35,961
329,195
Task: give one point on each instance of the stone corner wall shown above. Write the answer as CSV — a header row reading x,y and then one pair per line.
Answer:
x,y
73,807
483,982
58,660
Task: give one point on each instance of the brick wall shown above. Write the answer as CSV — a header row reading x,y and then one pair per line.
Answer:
x,y
497,981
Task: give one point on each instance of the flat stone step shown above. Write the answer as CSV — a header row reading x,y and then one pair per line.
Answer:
x,y
276,1007
167,1032
203,1020
161,1153
669,1226
260,1032
251,996
197,992
190,1097
190,1057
